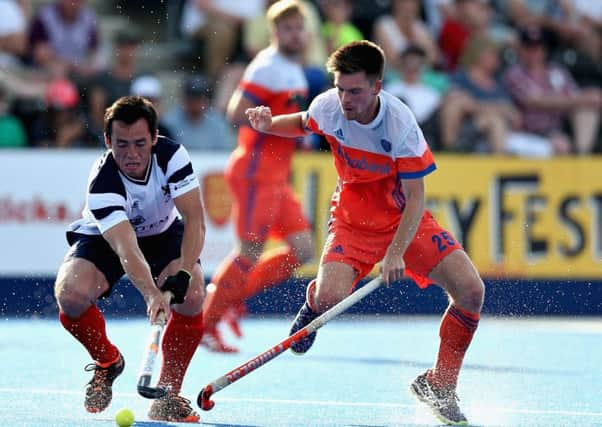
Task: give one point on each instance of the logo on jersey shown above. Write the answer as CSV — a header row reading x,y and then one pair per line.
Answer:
x,y
137,220
386,145
339,134
338,249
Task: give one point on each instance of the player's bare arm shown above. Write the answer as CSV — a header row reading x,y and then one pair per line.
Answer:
x,y
287,125
122,239
393,265
191,209
238,104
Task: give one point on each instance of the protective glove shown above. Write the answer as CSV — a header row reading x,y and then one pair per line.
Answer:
x,y
177,285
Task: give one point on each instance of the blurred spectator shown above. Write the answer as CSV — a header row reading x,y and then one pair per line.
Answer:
x,y
470,18
216,25
572,36
64,39
395,31
476,95
13,33
195,124
423,99
115,82
12,132
548,96
63,124
436,12
256,36
337,28
150,87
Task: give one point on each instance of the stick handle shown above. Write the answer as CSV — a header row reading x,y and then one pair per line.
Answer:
x,y
271,353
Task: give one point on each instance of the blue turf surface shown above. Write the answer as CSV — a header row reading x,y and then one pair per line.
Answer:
x,y
534,372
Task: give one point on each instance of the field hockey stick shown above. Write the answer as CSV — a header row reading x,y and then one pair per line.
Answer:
x,y
150,355
204,398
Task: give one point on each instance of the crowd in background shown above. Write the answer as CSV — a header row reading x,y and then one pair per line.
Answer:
x,y
518,77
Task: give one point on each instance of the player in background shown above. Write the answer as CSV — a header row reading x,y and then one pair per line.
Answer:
x,y
378,212
130,225
264,204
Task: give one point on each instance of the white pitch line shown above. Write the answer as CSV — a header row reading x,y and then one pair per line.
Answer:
x,y
315,402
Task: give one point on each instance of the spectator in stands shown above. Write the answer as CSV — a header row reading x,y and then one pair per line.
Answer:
x,y
13,34
12,132
195,123
63,123
115,82
216,25
548,96
64,39
470,18
337,28
488,106
572,36
423,99
395,31
150,87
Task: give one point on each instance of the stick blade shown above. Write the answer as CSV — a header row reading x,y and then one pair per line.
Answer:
x,y
203,399
151,392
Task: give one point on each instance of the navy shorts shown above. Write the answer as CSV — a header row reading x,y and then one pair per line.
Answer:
x,y
158,250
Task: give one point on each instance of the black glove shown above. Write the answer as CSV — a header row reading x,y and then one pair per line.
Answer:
x,y
177,285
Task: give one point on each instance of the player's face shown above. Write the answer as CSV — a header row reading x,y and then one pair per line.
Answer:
x,y
290,35
131,146
358,96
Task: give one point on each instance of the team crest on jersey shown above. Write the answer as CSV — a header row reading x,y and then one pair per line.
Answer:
x,y
339,134
386,145
216,197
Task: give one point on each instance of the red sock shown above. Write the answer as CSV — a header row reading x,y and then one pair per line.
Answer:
x,y
274,267
89,329
180,340
229,283
456,331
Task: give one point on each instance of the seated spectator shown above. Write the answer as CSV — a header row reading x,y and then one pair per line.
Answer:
x,y
63,124
150,88
195,123
13,34
64,39
112,84
548,96
476,95
216,25
337,28
421,98
471,18
395,31
12,132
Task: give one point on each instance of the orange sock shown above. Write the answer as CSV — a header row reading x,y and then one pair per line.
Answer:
x,y
180,340
90,330
229,281
456,331
274,267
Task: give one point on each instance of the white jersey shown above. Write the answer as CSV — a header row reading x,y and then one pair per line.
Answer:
x,y
148,204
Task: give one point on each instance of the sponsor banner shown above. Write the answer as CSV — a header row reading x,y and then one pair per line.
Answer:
x,y
42,191
515,217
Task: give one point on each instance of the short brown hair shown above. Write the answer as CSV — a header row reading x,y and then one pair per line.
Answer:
x,y
357,56
129,109
283,9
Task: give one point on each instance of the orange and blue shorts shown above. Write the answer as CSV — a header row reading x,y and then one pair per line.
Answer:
x,y
363,249
263,210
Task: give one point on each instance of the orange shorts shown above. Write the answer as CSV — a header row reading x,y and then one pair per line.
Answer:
x,y
362,249
263,210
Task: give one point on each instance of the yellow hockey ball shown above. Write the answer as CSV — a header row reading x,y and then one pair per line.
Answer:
x,y
124,417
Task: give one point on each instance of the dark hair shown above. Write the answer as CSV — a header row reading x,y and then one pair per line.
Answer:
x,y
129,109
357,56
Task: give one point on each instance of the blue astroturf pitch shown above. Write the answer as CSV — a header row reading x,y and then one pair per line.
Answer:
x,y
518,372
